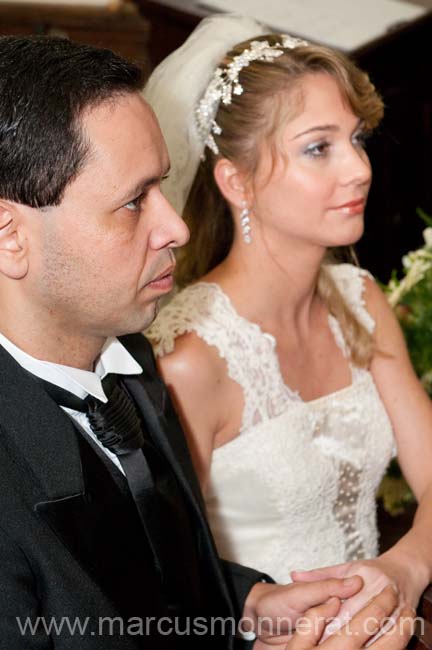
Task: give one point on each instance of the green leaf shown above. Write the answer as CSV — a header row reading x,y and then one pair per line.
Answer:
x,y
426,218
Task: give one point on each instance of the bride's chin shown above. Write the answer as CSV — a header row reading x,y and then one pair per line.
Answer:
x,y
353,234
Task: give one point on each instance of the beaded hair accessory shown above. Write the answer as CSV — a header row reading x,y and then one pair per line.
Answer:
x,y
225,83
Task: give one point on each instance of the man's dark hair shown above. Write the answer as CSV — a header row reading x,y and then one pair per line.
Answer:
x,y
45,85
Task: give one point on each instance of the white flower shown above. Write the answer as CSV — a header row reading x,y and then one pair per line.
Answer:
x,y
406,261
416,264
427,236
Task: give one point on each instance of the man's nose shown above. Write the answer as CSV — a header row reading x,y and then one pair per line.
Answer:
x,y
170,231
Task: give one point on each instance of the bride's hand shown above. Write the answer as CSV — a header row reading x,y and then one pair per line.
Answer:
x,y
390,568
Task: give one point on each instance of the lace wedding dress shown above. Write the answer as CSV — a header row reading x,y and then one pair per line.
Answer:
x,y
296,489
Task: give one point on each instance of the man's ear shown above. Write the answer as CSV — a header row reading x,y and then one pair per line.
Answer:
x,y
13,243
231,182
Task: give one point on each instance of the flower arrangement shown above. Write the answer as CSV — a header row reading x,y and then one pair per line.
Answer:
x,y
411,298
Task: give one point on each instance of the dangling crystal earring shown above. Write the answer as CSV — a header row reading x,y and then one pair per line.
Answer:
x,y
245,221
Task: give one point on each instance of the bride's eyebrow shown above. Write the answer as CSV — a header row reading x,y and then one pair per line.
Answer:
x,y
325,127
319,127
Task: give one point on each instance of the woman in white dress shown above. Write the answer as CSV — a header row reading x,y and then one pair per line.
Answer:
x,y
290,373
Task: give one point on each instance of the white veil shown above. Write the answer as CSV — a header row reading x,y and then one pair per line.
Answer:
x,y
178,83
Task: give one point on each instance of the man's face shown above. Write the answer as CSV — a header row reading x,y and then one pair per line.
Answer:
x,y
102,258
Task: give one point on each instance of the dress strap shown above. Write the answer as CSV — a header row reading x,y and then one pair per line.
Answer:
x,y
249,353
349,279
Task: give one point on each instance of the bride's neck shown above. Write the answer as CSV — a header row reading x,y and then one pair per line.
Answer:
x,y
274,287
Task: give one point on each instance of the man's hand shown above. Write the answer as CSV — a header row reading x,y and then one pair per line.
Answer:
x,y
272,610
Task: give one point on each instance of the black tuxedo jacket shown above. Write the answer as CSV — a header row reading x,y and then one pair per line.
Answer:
x,y
74,572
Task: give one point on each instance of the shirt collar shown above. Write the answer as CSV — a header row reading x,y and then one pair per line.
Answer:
x,y
114,358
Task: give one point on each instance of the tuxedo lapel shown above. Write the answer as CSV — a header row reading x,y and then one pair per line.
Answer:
x,y
103,532
151,395
37,433
72,490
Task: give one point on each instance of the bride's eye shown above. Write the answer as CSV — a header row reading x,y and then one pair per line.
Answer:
x,y
317,149
361,137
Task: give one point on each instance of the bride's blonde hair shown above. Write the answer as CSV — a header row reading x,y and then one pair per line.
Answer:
x,y
254,118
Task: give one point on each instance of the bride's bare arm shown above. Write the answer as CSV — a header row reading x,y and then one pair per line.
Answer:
x,y
204,396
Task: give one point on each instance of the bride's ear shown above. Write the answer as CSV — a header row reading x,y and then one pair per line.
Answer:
x,y
230,181
13,242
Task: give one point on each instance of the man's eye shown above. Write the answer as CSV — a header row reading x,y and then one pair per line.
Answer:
x,y
134,204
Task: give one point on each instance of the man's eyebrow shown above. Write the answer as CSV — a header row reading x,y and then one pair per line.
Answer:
x,y
142,186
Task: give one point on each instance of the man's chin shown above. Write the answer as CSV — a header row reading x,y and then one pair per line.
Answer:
x,y
148,318
151,313
139,323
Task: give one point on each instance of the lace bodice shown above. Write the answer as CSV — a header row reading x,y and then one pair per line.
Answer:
x,y
296,488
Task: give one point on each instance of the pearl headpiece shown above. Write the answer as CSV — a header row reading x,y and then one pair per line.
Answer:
x,y
225,83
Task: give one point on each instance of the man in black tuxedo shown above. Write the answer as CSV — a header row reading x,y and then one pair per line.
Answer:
x,y
103,539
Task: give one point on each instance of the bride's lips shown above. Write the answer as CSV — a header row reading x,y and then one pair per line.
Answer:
x,y
164,282
352,207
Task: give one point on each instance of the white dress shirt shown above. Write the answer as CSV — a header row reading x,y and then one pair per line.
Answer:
x,y
114,358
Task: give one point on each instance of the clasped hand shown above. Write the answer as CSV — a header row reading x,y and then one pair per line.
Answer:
x,y
296,616
390,568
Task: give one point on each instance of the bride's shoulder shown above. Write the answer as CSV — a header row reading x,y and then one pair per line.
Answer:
x,y
195,374
188,311
191,361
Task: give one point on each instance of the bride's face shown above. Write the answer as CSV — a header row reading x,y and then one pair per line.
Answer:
x,y
316,189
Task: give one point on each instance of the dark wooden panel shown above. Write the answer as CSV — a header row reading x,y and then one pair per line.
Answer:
x,y
123,30
169,28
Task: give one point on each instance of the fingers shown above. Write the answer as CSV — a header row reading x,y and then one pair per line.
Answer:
x,y
336,571
397,638
390,622
348,610
365,624
279,644
309,595
310,627
359,631
281,607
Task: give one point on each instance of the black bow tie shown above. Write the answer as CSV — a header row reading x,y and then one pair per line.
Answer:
x,y
115,423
